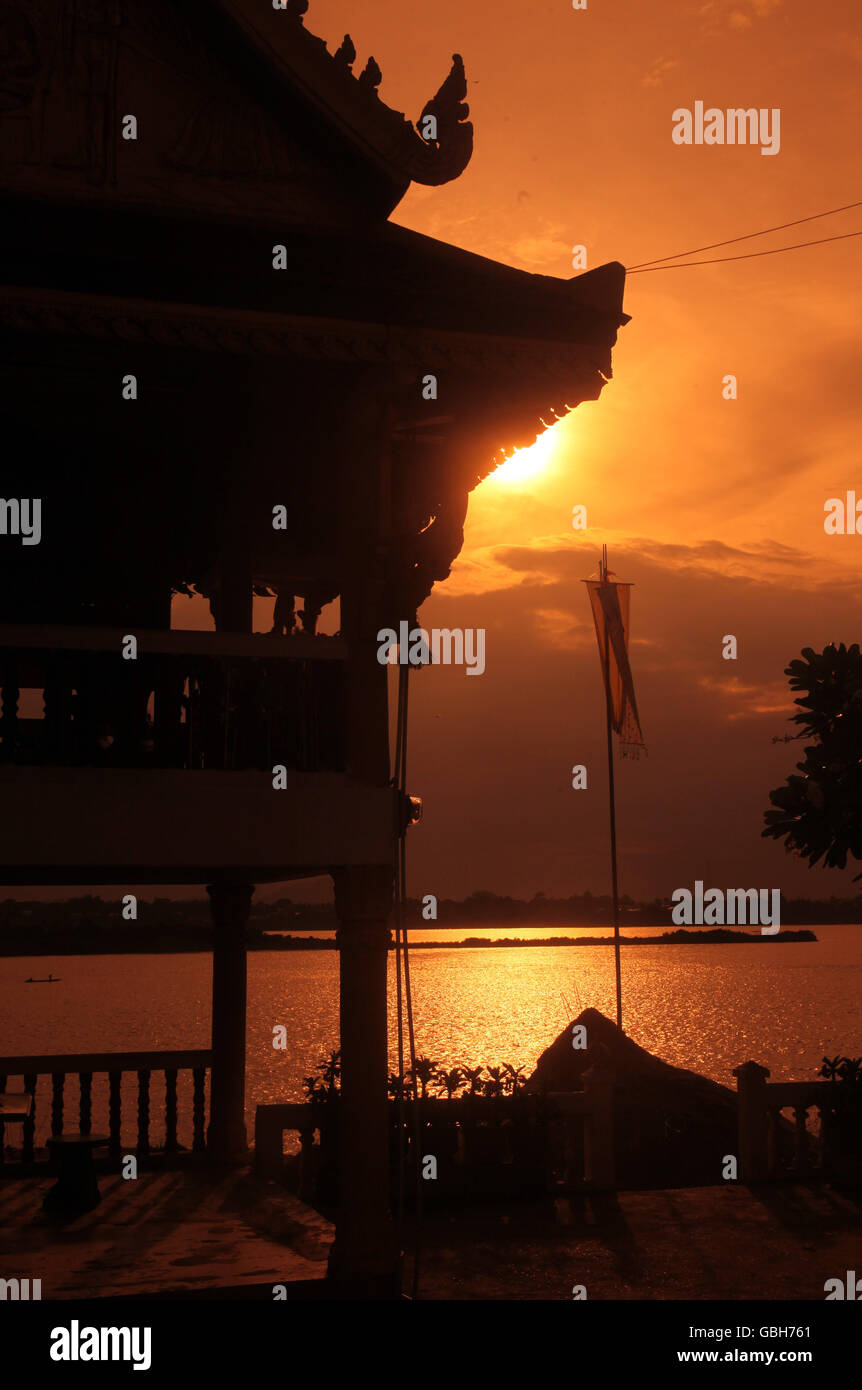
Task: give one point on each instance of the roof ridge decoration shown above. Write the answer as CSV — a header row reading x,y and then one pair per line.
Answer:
x,y
352,99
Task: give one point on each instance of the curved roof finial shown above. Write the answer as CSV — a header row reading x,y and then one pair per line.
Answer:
x,y
346,54
449,106
370,76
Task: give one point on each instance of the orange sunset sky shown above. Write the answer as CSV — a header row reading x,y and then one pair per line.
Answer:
x,y
713,508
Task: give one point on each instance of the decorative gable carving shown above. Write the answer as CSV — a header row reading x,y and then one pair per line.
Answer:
x,y
72,70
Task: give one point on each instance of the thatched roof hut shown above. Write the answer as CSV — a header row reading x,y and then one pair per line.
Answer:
x,y
673,1127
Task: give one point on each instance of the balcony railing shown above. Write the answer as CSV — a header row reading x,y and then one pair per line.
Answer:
x,y
181,1126
558,1142
771,1148
189,700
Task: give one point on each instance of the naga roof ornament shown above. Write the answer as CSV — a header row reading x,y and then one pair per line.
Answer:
x,y
427,152
450,110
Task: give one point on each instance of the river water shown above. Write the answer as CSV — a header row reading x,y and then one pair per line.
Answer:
x,y
708,1008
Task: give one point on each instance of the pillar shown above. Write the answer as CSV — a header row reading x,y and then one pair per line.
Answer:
x,y
364,1257
230,904
753,1122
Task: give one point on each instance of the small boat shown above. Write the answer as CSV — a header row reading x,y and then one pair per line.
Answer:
x,y
45,980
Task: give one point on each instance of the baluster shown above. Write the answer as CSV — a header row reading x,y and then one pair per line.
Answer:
x,y
773,1144
306,760
167,720
824,1134
144,1112
58,1082
194,742
800,1114
3,1081
85,1079
30,1122
231,725
199,1144
170,1110
53,705
115,1082
9,717
306,1166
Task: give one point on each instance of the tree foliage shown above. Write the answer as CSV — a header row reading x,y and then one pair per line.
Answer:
x,y
818,814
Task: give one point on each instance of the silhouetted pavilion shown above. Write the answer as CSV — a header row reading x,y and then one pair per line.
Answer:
x,y
201,325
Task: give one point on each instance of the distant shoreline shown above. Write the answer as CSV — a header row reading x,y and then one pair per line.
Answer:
x,y
713,936
138,943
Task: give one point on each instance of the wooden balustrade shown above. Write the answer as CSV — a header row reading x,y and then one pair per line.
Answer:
x,y
219,701
113,1066
143,1111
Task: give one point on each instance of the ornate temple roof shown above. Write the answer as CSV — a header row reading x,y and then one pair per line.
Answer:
x,y
390,284
239,111
158,252
349,100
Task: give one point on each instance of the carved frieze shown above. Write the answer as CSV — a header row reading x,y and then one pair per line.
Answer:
x,y
553,364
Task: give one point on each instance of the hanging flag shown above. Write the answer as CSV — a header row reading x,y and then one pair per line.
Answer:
x,y
610,605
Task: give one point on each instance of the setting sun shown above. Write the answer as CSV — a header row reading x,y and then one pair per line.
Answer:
x,y
525,464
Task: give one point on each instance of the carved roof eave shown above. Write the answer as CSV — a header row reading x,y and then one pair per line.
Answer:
x,y
350,103
540,380
259,333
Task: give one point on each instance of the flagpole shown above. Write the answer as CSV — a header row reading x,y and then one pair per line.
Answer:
x,y
613,814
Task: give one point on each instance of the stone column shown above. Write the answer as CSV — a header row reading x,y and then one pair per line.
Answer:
x,y
230,904
753,1122
364,1257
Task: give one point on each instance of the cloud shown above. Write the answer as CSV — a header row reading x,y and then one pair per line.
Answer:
x,y
562,630
551,248
547,559
749,701
656,75
710,724
715,16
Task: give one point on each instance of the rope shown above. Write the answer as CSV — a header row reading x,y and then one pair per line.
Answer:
x,y
405,995
747,256
749,236
399,1007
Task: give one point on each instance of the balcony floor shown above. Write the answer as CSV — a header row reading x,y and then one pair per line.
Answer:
x,y
731,1242
176,1232
183,1233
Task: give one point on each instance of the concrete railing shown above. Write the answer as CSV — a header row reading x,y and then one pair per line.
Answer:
x,y
575,1129
769,1150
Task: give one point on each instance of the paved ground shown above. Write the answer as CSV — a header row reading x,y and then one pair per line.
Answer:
x,y
178,1231
183,1233
728,1242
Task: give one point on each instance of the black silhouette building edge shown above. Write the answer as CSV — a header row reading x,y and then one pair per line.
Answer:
x,y
169,391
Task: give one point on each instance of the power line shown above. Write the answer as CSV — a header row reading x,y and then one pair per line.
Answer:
x,y
747,256
696,250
